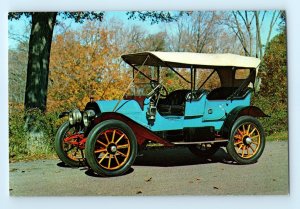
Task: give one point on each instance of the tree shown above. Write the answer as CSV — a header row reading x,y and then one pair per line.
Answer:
x,y
39,52
274,69
238,23
38,60
156,17
17,72
247,25
273,93
202,29
40,46
274,65
195,32
84,63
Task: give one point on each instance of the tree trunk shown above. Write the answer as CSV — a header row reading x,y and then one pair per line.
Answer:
x,y
258,44
38,60
37,76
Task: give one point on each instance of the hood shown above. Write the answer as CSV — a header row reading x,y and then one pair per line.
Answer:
x,y
124,106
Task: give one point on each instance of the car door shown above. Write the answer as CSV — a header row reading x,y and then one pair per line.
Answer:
x,y
195,107
214,110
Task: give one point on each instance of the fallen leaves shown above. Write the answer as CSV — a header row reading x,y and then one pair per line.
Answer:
x,y
13,170
196,180
148,179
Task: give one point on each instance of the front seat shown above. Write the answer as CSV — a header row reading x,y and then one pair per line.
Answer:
x,y
174,103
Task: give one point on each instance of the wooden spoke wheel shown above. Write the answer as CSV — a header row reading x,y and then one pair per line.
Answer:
x,y
69,145
247,140
111,148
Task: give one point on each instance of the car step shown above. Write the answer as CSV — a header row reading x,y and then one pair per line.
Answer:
x,y
201,142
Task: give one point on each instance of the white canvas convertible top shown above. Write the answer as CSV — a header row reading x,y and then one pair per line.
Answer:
x,y
188,59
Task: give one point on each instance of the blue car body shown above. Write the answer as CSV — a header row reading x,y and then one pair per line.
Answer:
x,y
213,109
201,113
111,132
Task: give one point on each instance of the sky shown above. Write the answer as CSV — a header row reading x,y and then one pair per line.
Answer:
x,y
21,27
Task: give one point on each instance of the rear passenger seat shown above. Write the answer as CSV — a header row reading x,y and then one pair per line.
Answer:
x,y
224,93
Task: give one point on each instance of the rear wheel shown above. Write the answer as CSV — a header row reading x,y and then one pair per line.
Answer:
x,y
111,148
204,150
247,140
69,145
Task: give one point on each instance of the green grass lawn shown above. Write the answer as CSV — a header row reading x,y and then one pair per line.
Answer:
x,y
280,136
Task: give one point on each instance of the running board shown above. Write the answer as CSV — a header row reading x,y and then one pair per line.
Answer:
x,y
201,142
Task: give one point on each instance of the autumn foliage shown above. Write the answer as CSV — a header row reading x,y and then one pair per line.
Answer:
x,y
84,63
273,95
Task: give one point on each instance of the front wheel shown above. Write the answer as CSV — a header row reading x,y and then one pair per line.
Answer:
x,y
111,148
69,145
247,140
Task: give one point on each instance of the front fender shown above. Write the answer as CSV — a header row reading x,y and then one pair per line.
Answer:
x,y
236,113
142,133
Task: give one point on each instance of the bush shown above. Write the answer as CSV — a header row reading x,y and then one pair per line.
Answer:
x,y
17,135
34,137
273,95
278,122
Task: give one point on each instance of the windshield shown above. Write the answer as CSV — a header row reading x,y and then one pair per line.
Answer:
x,y
141,84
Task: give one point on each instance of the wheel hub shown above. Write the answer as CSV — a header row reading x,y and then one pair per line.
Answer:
x,y
247,140
112,149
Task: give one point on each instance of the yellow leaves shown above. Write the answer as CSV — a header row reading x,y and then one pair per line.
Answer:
x,y
84,63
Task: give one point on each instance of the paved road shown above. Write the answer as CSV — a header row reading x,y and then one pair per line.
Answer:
x,y
159,172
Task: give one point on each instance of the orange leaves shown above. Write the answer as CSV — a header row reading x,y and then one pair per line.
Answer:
x,y
84,63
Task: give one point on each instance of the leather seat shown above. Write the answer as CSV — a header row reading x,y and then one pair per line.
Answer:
x,y
224,93
174,103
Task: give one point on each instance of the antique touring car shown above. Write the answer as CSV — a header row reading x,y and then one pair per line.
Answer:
x,y
107,135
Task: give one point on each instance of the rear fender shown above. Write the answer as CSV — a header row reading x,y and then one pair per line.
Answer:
x,y
238,112
142,133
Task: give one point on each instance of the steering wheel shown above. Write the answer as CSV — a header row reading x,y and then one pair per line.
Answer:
x,y
157,88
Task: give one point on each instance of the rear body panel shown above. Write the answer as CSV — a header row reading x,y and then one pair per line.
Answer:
x,y
199,113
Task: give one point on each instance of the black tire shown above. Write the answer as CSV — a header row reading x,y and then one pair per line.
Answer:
x,y
111,148
247,140
71,155
204,150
